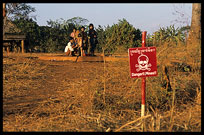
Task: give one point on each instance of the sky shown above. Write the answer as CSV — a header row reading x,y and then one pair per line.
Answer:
x,y
146,17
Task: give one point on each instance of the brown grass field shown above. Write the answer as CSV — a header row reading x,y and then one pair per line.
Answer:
x,y
67,96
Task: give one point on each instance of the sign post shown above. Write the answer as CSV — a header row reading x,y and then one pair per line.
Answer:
x,y
143,83
143,64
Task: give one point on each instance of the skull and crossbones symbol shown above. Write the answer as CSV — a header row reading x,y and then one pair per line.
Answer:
x,y
143,63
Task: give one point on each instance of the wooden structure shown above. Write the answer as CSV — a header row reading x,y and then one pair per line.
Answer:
x,y
13,37
11,34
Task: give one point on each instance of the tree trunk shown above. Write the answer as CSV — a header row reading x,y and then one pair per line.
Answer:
x,y
195,30
4,18
193,47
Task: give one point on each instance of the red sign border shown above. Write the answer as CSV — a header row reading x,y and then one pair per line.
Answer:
x,y
142,48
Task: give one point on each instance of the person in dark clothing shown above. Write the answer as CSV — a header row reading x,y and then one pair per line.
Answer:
x,y
92,38
79,41
84,41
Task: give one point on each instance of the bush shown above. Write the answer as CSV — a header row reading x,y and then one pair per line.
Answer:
x,y
118,37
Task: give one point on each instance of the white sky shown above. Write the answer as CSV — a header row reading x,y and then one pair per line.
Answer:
x,y
149,17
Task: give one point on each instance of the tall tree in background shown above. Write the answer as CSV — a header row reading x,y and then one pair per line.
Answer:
x,y
195,30
76,22
19,10
13,11
182,18
194,40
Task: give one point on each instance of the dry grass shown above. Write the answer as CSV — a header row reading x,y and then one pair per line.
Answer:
x,y
88,96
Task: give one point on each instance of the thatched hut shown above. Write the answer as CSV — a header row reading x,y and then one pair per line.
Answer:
x,y
12,37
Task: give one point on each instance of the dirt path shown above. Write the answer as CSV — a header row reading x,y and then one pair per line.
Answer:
x,y
49,78
36,89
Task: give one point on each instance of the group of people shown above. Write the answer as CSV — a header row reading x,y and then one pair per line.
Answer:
x,y
82,43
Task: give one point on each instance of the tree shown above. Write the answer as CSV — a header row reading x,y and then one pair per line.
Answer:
x,y
195,30
19,10
194,39
170,34
61,24
174,35
60,30
15,11
101,38
182,16
31,29
121,36
78,21
70,23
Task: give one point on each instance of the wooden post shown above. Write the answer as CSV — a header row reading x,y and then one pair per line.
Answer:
x,y
22,45
7,49
81,52
4,9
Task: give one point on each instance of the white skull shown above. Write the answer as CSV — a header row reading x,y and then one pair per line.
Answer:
x,y
143,61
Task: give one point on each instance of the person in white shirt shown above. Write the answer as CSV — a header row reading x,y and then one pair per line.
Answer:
x,y
69,49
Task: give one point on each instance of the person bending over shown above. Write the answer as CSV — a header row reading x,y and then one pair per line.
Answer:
x,y
69,49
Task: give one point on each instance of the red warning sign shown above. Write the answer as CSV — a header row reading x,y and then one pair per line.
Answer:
x,y
143,62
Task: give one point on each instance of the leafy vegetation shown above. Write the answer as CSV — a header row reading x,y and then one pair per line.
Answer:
x,y
53,38
19,10
119,37
113,39
170,35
